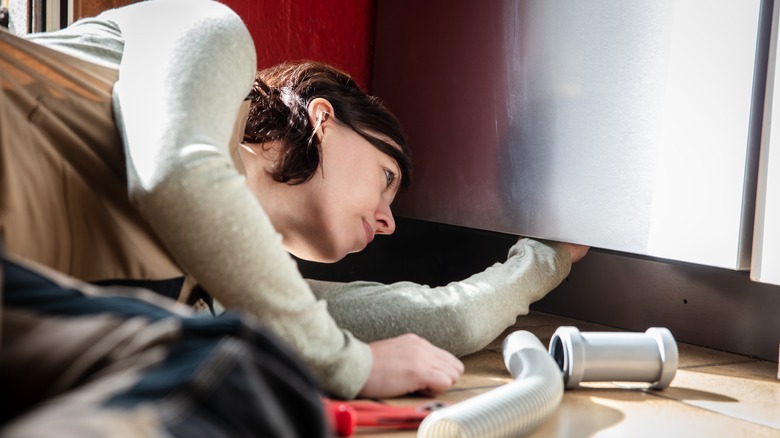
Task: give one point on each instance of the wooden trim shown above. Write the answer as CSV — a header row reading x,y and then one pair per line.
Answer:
x,y
90,8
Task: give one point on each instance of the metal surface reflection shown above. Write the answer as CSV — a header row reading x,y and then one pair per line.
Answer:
x,y
630,126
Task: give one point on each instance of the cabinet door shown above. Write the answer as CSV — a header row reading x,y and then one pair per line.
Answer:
x,y
766,245
630,126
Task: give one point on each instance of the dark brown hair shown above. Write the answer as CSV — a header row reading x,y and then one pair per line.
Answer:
x,y
278,111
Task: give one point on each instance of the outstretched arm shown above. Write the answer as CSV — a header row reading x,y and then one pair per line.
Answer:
x,y
461,317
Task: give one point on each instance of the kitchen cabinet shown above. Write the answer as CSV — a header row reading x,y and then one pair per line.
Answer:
x,y
627,126
766,247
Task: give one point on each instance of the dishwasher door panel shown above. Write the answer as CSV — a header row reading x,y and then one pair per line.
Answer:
x,y
629,126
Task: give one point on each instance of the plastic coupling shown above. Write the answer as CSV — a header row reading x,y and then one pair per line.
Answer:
x,y
651,356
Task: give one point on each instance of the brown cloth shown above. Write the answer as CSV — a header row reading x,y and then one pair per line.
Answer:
x,y
63,189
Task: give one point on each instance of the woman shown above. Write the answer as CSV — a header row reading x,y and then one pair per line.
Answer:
x,y
326,174
174,197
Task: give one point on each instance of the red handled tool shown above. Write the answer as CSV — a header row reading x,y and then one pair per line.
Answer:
x,y
346,416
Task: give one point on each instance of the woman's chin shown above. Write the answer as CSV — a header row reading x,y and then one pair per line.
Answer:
x,y
320,256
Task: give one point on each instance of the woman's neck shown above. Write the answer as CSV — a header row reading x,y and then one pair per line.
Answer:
x,y
278,199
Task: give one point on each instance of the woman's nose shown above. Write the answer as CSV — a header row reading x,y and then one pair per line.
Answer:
x,y
384,220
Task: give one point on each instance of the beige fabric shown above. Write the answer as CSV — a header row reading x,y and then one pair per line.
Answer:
x,y
63,191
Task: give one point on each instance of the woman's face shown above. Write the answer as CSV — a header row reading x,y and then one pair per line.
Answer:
x,y
345,203
348,199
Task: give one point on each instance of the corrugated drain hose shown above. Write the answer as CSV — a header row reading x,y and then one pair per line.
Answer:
x,y
516,408
510,410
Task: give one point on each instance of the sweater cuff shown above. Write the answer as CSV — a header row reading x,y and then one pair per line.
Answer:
x,y
554,251
562,255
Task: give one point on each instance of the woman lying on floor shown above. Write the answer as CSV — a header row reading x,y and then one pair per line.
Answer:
x,y
118,167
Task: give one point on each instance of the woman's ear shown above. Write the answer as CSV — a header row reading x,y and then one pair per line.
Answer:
x,y
320,115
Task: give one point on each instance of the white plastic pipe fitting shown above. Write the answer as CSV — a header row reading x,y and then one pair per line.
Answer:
x,y
511,410
518,407
651,356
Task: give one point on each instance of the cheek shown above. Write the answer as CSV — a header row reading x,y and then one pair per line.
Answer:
x,y
329,213
351,188
340,218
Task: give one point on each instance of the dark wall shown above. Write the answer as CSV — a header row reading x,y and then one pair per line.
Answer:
x,y
419,251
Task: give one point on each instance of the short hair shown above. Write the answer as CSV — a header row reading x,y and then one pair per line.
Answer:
x,y
279,111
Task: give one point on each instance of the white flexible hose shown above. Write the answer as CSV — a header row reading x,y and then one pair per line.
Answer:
x,y
511,410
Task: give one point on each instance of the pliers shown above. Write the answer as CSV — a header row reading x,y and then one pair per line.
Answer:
x,y
346,416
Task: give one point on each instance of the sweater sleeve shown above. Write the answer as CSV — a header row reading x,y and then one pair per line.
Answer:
x,y
186,67
461,317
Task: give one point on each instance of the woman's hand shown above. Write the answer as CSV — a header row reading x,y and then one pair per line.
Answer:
x,y
409,363
577,252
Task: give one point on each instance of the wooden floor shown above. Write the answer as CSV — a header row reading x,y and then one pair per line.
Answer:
x,y
713,394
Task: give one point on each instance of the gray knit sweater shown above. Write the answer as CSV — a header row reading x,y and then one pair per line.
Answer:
x,y
184,68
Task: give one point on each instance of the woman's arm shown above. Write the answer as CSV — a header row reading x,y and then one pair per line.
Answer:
x,y
461,317
185,69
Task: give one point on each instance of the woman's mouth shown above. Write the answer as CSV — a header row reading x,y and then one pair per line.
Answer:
x,y
369,232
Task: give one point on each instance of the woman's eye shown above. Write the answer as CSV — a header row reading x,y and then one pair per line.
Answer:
x,y
390,176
